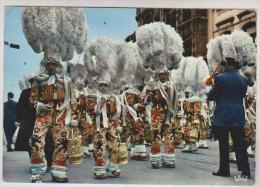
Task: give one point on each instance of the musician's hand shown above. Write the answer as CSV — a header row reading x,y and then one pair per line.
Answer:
x,y
208,81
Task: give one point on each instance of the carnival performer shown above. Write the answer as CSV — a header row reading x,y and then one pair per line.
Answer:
x,y
250,126
193,120
105,106
134,119
58,33
84,114
162,55
194,125
178,122
79,115
88,128
51,95
162,95
204,125
106,132
188,78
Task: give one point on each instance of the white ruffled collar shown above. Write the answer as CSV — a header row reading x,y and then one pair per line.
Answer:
x,y
51,78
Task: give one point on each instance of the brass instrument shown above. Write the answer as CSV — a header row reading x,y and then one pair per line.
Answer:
x,y
209,80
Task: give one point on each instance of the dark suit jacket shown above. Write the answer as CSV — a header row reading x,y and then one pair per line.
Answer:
x,y
25,113
10,112
228,92
26,116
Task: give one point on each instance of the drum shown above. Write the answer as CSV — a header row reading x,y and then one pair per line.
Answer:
x,y
123,153
74,147
194,135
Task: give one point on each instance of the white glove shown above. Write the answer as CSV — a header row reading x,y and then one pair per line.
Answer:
x,y
119,129
74,123
17,124
42,109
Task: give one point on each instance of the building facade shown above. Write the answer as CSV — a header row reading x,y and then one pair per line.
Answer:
x,y
224,21
191,24
198,26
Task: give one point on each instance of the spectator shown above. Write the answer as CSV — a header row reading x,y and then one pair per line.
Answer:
x,y
25,116
9,120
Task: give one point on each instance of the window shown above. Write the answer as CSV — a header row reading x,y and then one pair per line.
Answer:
x,y
148,16
170,18
226,32
250,28
186,15
187,47
221,11
225,21
186,30
248,25
201,12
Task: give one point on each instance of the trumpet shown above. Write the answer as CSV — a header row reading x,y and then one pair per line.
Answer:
x,y
209,80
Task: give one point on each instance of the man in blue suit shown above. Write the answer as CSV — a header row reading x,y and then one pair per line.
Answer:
x,y
228,91
9,120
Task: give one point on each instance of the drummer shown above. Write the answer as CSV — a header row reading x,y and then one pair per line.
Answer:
x,y
107,130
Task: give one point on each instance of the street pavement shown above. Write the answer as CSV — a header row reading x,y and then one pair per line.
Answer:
x,y
191,169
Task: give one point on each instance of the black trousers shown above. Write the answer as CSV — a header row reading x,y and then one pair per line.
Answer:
x,y
9,129
22,142
238,137
22,139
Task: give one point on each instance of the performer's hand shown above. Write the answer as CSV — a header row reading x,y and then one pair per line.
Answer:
x,y
119,130
103,100
74,123
48,107
141,106
42,108
149,95
208,81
